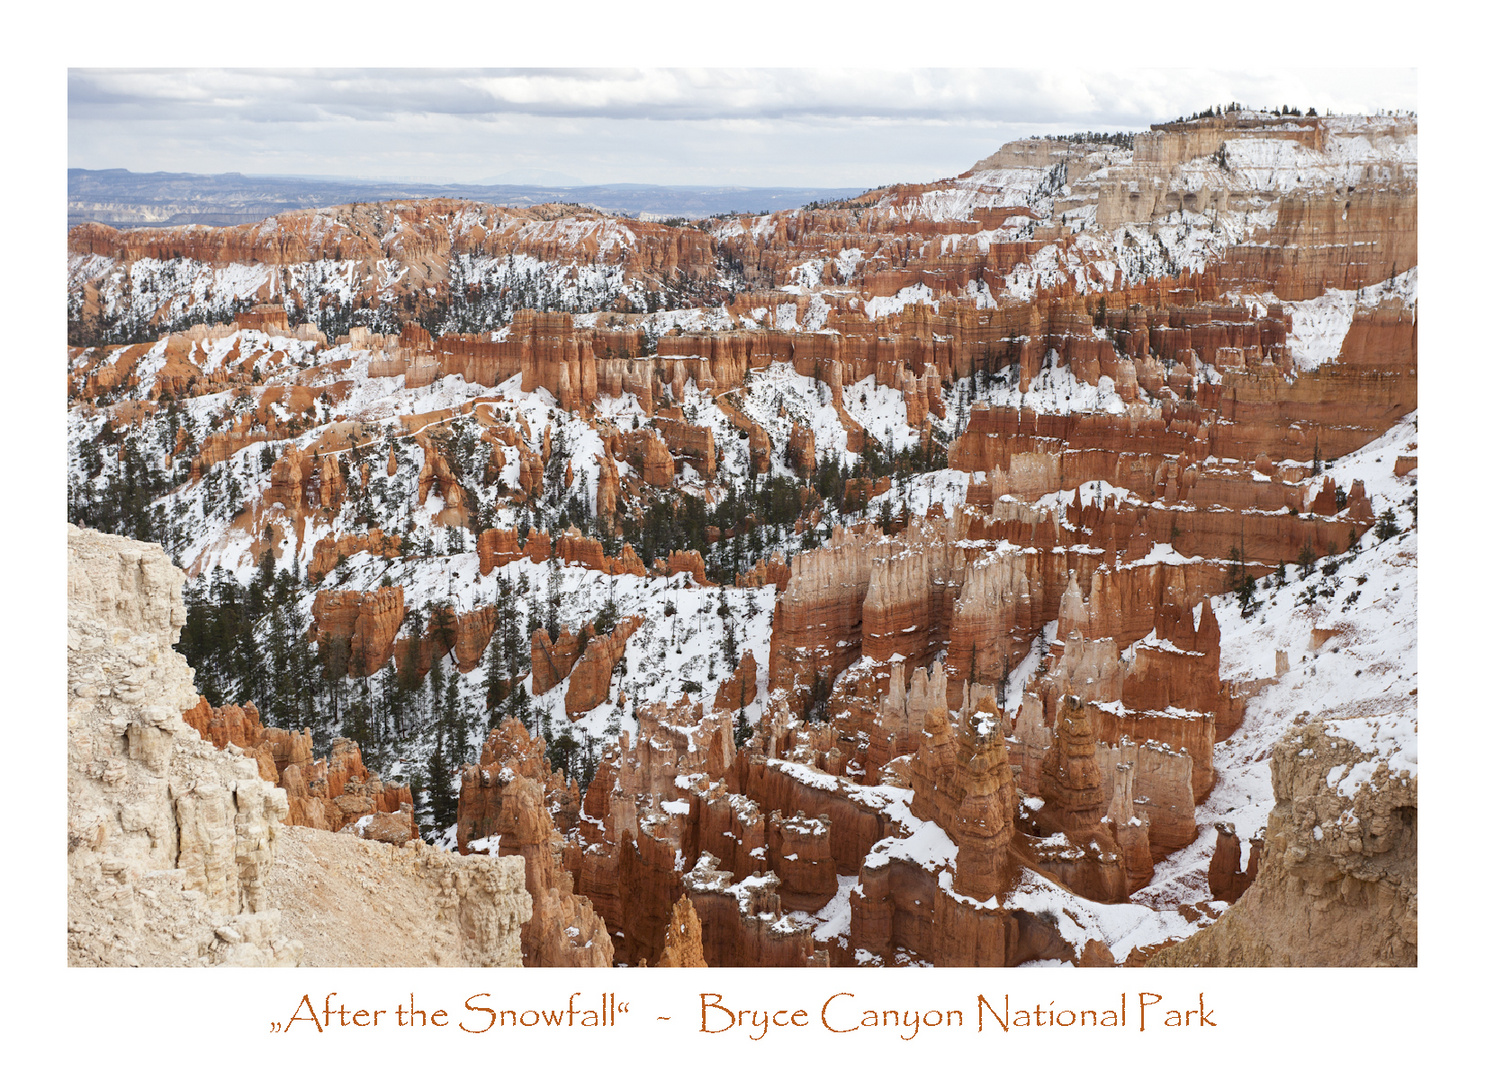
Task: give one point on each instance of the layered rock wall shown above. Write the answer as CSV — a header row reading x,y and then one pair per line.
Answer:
x,y
1338,882
170,840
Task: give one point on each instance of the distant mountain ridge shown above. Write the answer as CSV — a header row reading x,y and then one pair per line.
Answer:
x,y
126,199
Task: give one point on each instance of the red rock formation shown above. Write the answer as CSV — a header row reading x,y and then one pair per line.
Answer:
x,y
694,445
551,662
800,452
627,561
471,635
575,549
794,789
983,819
1226,876
594,670
688,562
437,478
1162,789
772,571
386,828
331,793
741,924
1076,799
496,547
799,853
1130,826
538,547
360,626
503,809
564,930
820,606
740,688
682,937
645,451
331,551
511,746
288,484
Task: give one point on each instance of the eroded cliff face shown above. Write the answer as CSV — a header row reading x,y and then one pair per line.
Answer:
x,y
333,793
360,904
1338,882
169,841
172,840
511,803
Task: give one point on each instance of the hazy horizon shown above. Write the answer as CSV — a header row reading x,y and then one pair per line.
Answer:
x,y
803,127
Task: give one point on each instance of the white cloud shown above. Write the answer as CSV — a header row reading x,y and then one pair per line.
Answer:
x,y
814,126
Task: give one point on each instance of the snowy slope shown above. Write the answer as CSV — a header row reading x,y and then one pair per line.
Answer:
x,y
1363,681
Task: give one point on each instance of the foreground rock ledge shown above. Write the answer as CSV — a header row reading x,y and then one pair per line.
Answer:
x,y
1338,885
171,843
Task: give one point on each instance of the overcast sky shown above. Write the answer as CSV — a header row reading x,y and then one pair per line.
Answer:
x,y
752,127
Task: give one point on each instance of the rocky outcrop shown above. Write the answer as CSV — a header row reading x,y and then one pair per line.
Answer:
x,y
1071,784
1226,875
358,627
339,790
739,689
504,808
552,661
331,551
334,793
645,451
800,451
357,904
303,482
683,937
575,549
179,850
692,444
500,547
511,746
771,571
170,841
593,673
799,853
437,479
821,606
685,562
1338,882
743,923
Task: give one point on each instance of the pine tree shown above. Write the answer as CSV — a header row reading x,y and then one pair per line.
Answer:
x,y
495,671
742,730
554,599
443,804
1246,593
1235,569
518,704
455,722
1306,559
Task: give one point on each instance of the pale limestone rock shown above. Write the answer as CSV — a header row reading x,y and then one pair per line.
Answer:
x,y
169,840
355,903
1338,881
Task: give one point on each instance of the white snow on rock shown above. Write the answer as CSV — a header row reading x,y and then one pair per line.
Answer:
x,y
1362,681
